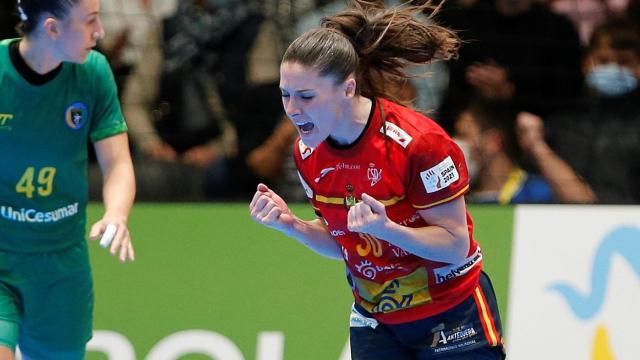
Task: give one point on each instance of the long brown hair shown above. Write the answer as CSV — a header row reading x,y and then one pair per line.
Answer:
x,y
375,43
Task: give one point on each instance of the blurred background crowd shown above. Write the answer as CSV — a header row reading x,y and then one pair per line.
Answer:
x,y
543,99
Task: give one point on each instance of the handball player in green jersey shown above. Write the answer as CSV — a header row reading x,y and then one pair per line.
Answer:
x,y
57,95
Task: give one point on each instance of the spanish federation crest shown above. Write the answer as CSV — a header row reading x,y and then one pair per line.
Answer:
x,y
76,115
374,174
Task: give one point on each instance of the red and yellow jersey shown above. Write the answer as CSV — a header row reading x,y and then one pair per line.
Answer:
x,y
406,161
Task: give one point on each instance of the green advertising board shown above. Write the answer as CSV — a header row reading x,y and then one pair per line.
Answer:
x,y
206,276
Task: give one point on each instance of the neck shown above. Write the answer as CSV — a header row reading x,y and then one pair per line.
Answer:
x,y
354,121
38,56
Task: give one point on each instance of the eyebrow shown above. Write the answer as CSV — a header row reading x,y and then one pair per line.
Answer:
x,y
298,91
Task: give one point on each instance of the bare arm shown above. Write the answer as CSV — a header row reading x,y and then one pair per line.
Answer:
x,y
446,239
567,186
269,209
118,192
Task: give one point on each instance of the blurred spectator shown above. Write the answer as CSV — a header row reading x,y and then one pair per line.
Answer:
x,y
633,11
486,132
586,14
8,19
126,25
514,50
205,97
599,135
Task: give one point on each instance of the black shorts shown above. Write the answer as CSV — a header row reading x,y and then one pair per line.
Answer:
x,y
471,330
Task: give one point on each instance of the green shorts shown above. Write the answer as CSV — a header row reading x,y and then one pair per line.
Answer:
x,y
46,301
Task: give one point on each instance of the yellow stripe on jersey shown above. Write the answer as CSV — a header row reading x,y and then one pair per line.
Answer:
x,y
330,200
464,189
340,201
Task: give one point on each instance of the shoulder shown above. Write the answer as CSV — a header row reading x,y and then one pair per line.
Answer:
x,y
95,64
95,72
4,50
409,128
5,43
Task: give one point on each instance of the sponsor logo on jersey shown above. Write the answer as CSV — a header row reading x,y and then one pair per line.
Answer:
x,y
23,215
449,272
399,252
5,121
396,133
345,166
440,176
374,174
323,173
370,271
307,189
338,233
305,151
76,115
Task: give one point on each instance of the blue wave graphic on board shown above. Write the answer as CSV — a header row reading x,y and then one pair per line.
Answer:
x,y
624,241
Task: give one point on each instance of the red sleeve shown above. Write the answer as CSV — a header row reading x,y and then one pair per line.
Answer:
x,y
437,171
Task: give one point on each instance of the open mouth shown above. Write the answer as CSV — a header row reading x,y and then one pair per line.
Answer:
x,y
305,128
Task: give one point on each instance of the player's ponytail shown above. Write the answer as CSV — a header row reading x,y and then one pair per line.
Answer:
x,y
375,43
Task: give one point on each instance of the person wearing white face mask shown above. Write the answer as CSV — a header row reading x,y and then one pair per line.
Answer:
x,y
599,136
613,64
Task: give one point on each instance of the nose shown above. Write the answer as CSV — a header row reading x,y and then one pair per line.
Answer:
x,y
98,34
291,107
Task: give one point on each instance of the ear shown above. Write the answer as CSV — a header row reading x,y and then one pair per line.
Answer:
x,y
350,87
52,27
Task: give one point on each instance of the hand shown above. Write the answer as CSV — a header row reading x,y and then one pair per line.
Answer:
x,y
268,208
367,216
491,80
121,241
161,151
201,156
530,132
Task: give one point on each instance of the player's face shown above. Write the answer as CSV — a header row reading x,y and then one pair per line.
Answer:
x,y
314,103
79,31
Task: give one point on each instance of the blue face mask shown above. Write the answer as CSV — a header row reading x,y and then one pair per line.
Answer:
x,y
612,80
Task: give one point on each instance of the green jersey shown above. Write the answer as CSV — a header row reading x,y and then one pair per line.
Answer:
x,y
44,133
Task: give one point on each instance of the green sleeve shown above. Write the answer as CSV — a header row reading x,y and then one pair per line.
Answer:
x,y
107,118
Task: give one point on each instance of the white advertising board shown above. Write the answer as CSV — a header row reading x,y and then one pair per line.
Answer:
x,y
575,283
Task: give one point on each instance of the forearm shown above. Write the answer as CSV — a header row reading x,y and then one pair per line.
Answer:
x,y
567,186
314,235
436,243
119,189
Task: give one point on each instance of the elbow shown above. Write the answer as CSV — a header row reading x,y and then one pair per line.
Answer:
x,y
460,250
